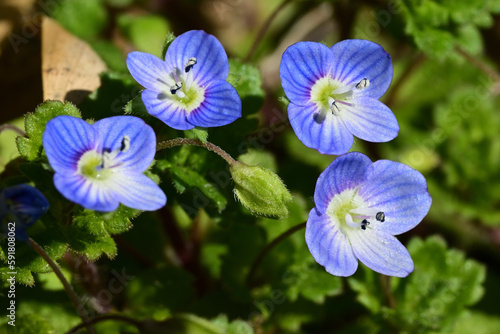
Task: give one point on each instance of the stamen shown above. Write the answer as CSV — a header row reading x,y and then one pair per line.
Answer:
x,y
364,223
380,216
364,83
125,144
333,106
190,63
107,157
176,87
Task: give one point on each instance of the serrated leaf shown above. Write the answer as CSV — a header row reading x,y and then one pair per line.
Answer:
x,y
31,147
185,177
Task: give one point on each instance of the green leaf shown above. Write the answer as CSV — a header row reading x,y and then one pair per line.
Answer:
x,y
197,133
136,107
158,293
31,148
234,327
443,284
248,82
29,324
475,322
70,13
146,32
166,43
110,98
184,178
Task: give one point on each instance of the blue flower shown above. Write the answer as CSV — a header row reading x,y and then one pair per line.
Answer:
x,y
101,165
334,93
360,206
23,205
189,88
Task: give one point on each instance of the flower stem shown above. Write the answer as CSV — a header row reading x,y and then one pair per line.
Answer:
x,y
264,28
4,127
131,321
270,246
69,290
196,142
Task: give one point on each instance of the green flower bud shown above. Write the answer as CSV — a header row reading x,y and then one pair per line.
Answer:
x,y
260,190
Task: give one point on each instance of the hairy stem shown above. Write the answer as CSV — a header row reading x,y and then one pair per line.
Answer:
x,y
270,246
263,30
67,287
196,142
131,321
4,127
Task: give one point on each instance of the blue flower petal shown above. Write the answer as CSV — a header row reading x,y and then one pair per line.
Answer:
x,y
381,252
357,59
148,70
328,135
329,246
138,191
400,192
142,140
98,196
65,139
222,105
159,106
301,66
345,172
211,58
369,119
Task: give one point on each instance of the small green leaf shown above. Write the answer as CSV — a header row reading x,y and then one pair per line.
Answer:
x,y
166,43
197,133
136,107
247,80
31,148
260,190
185,177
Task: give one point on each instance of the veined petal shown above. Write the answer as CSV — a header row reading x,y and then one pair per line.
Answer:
x,y
345,172
91,195
328,135
370,120
211,59
142,148
357,59
381,252
301,66
329,246
159,106
150,71
400,192
221,106
137,191
65,139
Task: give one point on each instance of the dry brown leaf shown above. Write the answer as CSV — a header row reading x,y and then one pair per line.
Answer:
x,y
70,68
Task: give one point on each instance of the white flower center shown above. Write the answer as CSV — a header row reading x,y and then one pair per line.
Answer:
x,y
331,96
183,91
98,166
350,211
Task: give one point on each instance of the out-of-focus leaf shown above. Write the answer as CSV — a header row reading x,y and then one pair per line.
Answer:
x,y
147,32
248,82
70,14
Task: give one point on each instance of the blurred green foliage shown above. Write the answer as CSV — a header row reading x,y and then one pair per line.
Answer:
x,y
189,267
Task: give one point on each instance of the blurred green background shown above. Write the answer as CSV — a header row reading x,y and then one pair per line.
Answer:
x,y
445,95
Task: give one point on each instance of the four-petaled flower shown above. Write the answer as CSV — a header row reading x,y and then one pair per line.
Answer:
x,y
334,93
189,88
100,166
360,206
22,205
